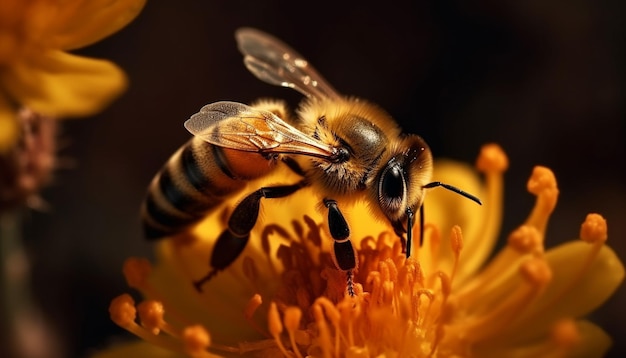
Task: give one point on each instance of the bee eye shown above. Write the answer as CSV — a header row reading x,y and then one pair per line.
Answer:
x,y
392,188
392,183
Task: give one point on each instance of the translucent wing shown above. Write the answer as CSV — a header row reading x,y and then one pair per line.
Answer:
x,y
238,126
274,62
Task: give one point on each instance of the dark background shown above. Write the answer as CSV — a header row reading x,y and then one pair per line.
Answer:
x,y
545,79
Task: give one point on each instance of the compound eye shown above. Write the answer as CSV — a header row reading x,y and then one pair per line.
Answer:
x,y
392,189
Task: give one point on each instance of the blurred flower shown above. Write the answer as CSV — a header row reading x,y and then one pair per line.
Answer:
x,y
41,81
285,297
29,164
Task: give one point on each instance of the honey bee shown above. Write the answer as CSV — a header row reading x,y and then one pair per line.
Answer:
x,y
345,148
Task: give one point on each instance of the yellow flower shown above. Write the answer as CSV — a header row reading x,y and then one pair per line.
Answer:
x,y
285,297
38,73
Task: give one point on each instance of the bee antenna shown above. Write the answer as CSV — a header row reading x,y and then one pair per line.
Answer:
x,y
454,189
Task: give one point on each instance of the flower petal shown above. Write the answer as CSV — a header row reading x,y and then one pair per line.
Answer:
x,y
219,307
81,23
577,288
9,128
64,85
594,343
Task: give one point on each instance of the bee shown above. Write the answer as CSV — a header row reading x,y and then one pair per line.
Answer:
x,y
345,148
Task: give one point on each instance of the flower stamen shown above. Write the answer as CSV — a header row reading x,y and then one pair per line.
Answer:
x,y
536,274
196,340
593,231
565,335
291,320
456,239
492,162
124,312
542,184
136,271
151,316
276,327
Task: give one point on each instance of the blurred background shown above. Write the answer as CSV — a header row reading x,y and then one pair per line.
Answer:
x,y
545,79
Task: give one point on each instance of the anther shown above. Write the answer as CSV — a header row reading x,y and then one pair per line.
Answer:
x,y
329,308
276,327
525,239
456,240
196,339
151,315
594,229
446,285
292,317
492,159
565,333
456,243
536,271
273,321
325,341
252,306
122,310
419,274
542,183
136,271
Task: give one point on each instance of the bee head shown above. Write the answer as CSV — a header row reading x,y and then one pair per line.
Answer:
x,y
401,180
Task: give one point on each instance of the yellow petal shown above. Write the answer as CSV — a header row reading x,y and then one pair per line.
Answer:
x,y
9,129
219,307
594,343
571,293
138,349
63,85
596,285
81,23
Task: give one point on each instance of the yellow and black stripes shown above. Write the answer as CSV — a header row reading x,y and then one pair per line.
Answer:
x,y
196,179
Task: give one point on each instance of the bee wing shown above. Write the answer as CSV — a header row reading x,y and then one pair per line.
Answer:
x,y
274,62
238,126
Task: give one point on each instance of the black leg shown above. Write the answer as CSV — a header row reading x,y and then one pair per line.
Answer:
x,y
409,232
344,254
233,240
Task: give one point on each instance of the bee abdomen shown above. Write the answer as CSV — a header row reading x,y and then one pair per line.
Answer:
x,y
195,180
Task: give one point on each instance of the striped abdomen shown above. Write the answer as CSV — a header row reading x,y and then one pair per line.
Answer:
x,y
196,179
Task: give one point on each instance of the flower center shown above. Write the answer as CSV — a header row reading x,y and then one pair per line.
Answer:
x,y
396,307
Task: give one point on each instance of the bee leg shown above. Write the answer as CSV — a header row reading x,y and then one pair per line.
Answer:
x,y
233,240
409,233
343,253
